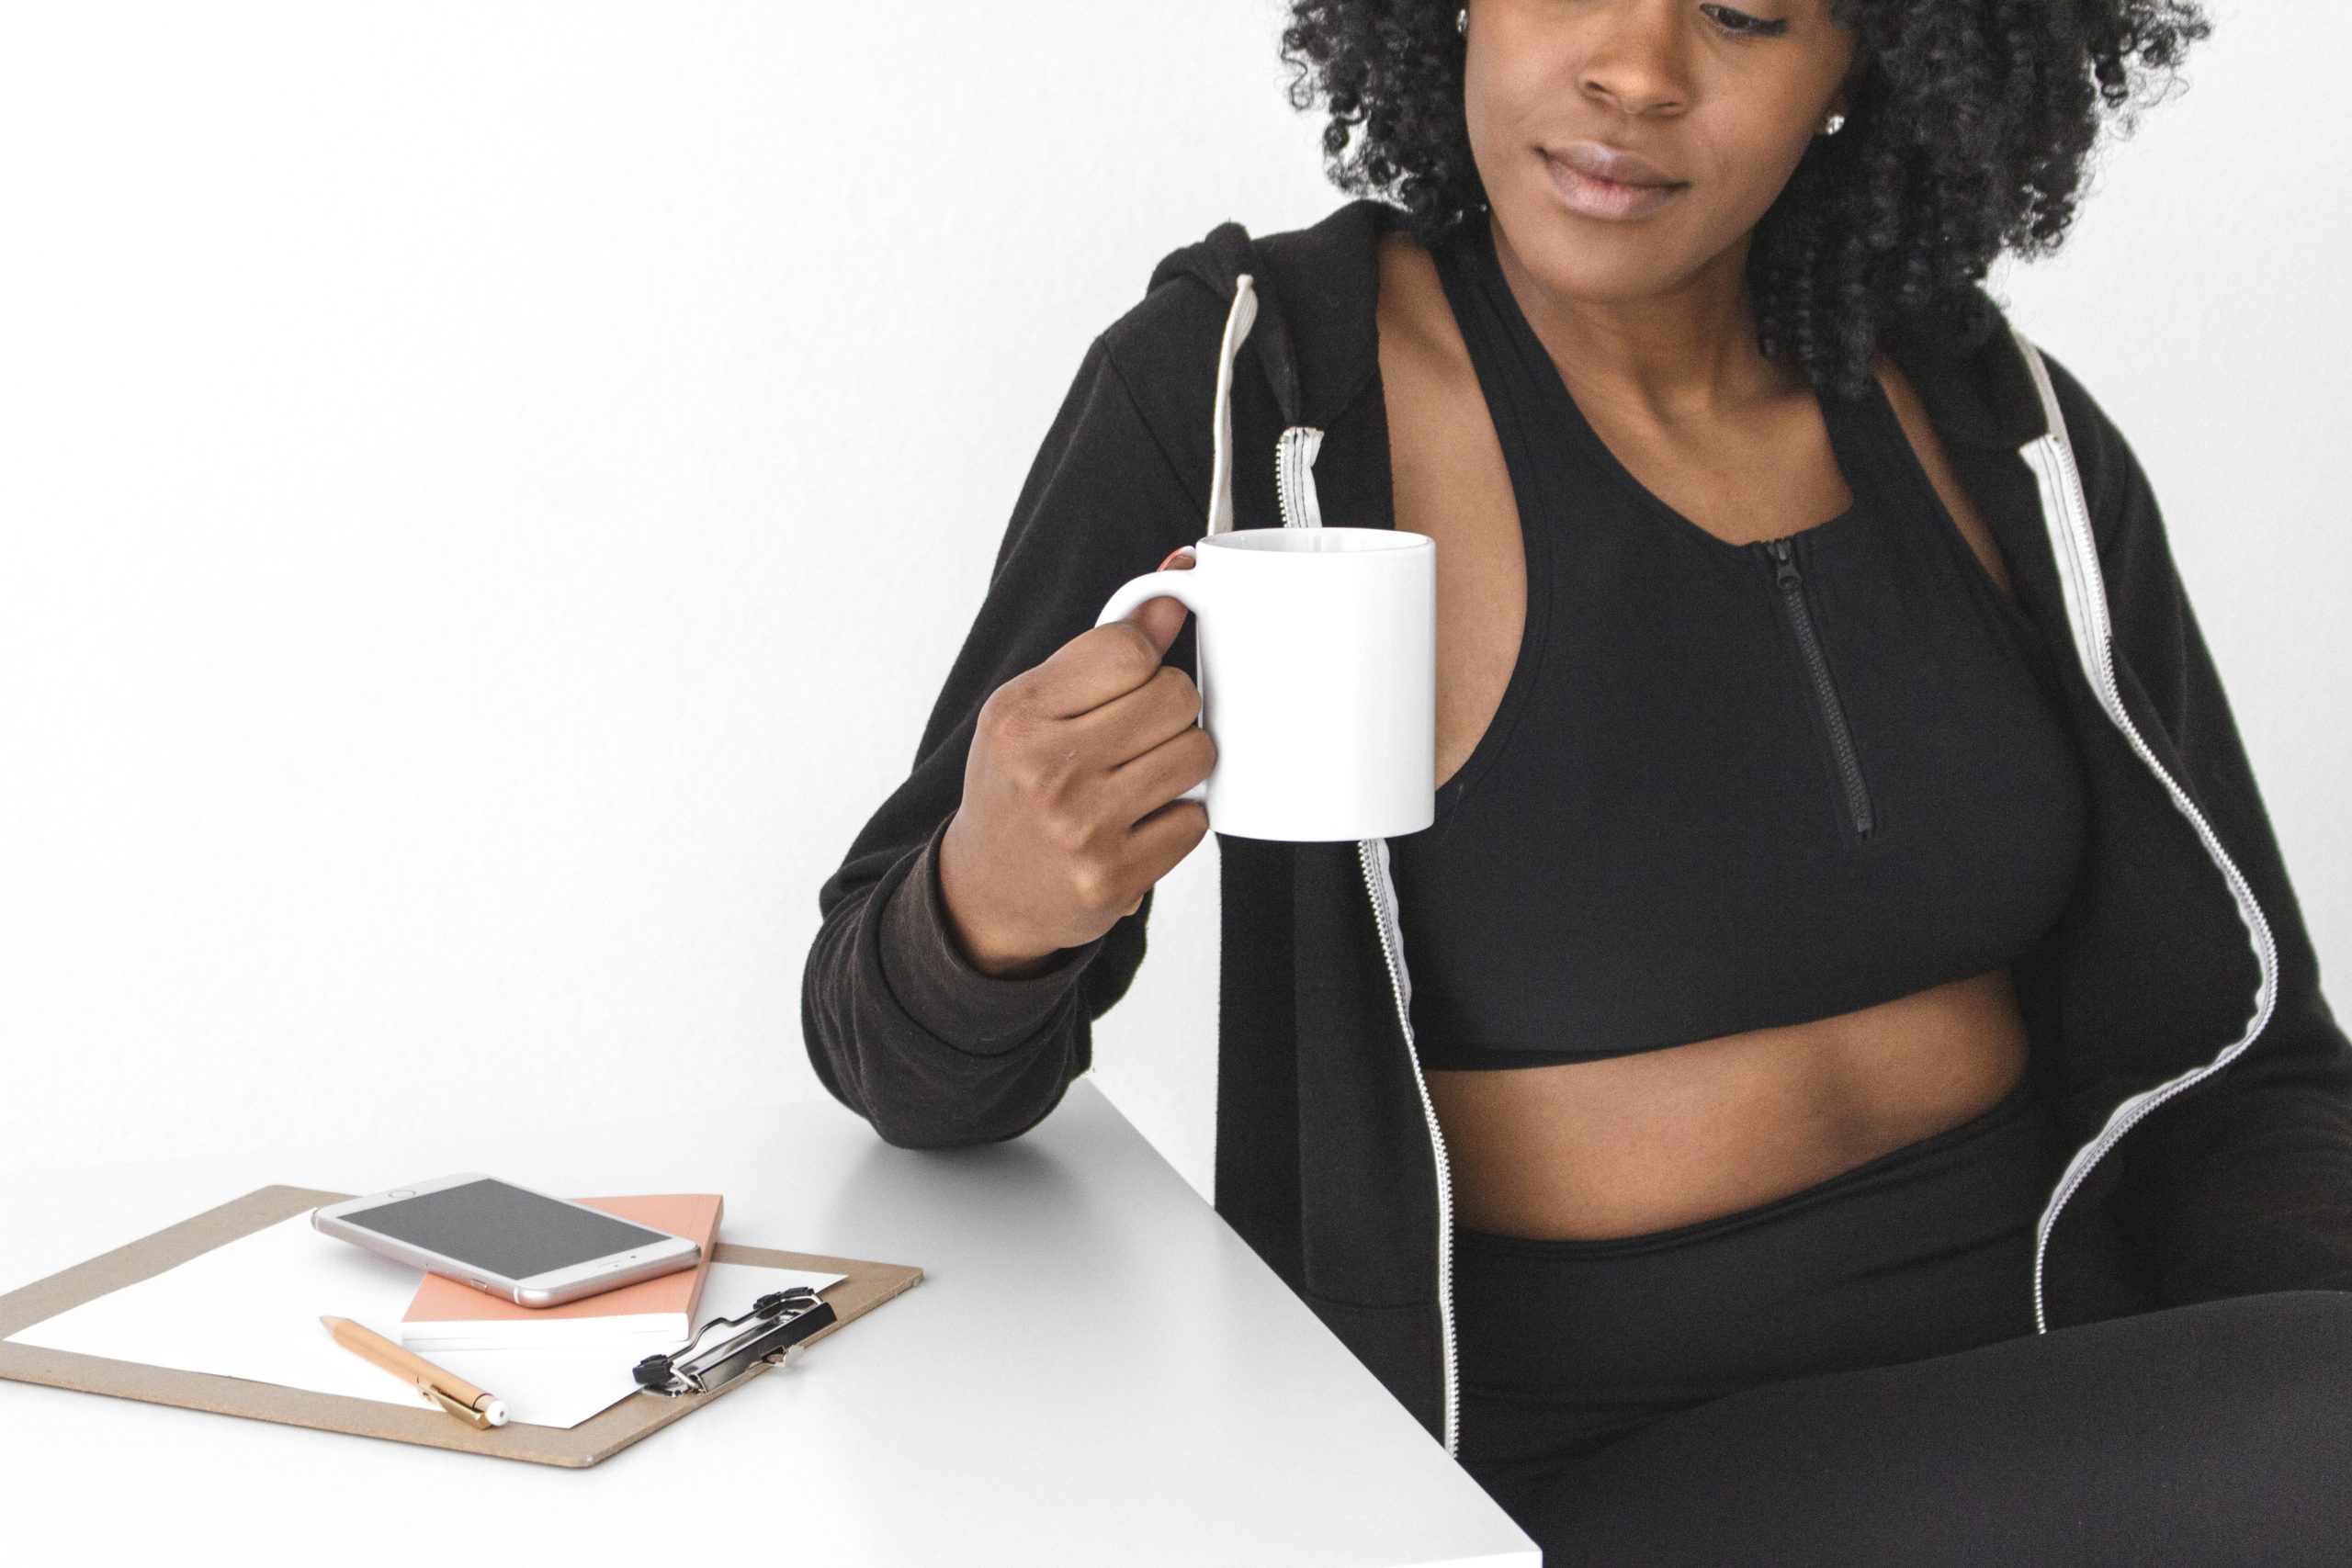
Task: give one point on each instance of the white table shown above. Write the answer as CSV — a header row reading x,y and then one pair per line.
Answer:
x,y
1096,1371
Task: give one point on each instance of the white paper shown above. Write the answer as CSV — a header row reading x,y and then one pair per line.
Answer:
x,y
251,1310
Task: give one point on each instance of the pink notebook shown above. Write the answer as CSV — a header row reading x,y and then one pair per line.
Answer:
x,y
447,1315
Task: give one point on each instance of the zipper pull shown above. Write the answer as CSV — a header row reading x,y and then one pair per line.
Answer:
x,y
1787,575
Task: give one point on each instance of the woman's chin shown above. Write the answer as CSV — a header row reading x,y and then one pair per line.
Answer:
x,y
1590,262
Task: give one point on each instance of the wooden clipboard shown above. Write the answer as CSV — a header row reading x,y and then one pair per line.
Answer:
x,y
599,1438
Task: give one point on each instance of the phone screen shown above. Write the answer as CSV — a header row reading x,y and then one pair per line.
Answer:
x,y
503,1229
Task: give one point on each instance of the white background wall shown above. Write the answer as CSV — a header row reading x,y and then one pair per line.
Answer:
x,y
489,490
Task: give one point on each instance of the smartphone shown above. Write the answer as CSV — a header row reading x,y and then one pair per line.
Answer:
x,y
524,1246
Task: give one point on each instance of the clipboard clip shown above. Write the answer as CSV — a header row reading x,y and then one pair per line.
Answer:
x,y
777,1323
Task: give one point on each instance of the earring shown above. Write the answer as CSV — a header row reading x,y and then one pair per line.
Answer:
x,y
1833,124
1462,22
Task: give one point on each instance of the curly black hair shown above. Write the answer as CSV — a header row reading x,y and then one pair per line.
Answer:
x,y
1970,125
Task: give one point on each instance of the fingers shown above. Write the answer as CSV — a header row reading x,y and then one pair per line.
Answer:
x,y
1090,670
1070,813
1165,837
1103,664
1137,789
1125,728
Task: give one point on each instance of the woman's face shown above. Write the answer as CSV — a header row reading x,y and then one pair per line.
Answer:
x,y
1625,145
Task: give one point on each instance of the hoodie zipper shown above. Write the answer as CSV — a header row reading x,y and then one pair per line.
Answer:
x,y
1294,486
1824,693
1373,855
2066,516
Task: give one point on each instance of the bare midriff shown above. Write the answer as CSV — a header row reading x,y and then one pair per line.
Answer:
x,y
1631,1144
1628,1146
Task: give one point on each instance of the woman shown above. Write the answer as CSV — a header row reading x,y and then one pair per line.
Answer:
x,y
1850,942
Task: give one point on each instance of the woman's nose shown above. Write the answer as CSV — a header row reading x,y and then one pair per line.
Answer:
x,y
1634,57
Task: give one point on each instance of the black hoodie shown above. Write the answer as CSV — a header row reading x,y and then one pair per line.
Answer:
x,y
2177,1001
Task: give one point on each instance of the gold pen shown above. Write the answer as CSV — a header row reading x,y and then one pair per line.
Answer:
x,y
453,1393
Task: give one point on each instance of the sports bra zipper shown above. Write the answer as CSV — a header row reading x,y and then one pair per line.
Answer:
x,y
1824,693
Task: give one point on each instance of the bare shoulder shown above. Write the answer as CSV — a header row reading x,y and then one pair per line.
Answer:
x,y
1442,453
1451,483
1430,386
1415,320
1911,414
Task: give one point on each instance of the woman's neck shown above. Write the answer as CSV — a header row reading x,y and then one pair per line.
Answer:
x,y
1687,353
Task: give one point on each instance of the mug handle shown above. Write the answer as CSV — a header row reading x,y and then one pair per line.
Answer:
x,y
1185,587
1153,585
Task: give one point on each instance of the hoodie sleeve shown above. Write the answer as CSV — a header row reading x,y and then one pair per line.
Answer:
x,y
2243,1184
898,1025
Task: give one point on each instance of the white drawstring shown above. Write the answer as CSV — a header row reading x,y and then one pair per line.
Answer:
x,y
1237,327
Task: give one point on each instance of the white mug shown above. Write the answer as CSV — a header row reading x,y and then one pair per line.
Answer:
x,y
1317,675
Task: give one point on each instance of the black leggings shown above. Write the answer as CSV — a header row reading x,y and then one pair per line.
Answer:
x,y
2217,1435
1850,1376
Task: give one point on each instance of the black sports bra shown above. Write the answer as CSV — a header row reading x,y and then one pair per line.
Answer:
x,y
1729,786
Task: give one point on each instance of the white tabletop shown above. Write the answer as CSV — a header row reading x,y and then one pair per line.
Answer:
x,y
1096,1371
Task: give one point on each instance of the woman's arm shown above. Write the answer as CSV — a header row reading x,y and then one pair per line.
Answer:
x,y
901,1025
2243,1184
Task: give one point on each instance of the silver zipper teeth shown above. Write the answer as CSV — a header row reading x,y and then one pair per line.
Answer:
x,y
2095,644
1295,477
1302,508
1373,854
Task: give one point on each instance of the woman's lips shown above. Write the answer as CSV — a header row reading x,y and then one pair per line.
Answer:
x,y
1602,182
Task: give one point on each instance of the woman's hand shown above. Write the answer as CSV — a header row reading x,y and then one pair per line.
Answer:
x,y
1069,812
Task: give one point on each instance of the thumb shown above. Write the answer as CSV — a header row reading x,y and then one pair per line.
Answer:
x,y
1161,619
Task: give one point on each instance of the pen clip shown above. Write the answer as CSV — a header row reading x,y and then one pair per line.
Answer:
x,y
466,1412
